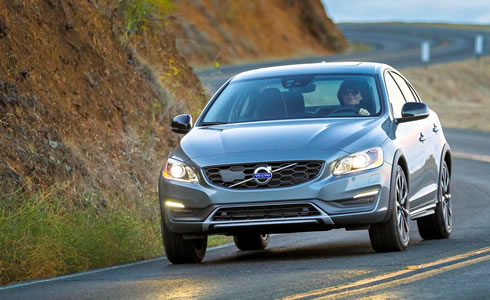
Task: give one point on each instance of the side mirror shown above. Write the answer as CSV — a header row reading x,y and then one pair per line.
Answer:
x,y
412,111
181,124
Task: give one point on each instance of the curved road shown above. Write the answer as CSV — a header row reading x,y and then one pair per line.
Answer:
x,y
337,263
395,44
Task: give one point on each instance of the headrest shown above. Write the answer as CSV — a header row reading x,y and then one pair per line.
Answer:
x,y
271,105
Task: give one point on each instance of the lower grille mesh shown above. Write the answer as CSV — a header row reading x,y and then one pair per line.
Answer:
x,y
265,212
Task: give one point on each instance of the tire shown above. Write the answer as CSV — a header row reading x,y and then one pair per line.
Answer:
x,y
183,251
394,235
440,224
251,241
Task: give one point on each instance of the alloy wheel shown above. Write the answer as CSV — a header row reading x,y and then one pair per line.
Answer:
x,y
447,211
402,211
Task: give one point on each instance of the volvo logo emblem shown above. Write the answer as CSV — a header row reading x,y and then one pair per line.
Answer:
x,y
263,175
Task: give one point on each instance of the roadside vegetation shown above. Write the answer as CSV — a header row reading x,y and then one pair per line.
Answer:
x,y
356,48
143,14
444,25
40,236
459,92
458,26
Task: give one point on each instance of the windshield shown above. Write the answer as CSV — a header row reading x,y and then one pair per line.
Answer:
x,y
294,97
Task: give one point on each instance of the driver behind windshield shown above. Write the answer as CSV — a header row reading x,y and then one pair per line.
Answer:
x,y
350,95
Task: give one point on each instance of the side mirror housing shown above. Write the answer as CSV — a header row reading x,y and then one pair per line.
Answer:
x,y
181,124
412,111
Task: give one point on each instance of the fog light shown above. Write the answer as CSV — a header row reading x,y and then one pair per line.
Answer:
x,y
366,194
174,204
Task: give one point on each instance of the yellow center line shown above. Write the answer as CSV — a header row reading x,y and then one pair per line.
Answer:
x,y
407,280
409,269
479,157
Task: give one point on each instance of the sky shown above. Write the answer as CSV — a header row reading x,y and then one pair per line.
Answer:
x,y
446,11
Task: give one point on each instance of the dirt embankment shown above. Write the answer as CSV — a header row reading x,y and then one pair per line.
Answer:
x,y
231,31
80,106
84,105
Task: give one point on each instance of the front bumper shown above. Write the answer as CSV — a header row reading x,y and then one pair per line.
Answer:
x,y
339,201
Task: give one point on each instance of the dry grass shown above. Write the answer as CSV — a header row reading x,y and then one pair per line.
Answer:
x,y
216,240
479,27
356,48
41,237
457,26
459,92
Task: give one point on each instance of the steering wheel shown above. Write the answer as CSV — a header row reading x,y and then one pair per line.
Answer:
x,y
345,109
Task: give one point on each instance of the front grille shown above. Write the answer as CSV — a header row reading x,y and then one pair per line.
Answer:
x,y
265,212
228,176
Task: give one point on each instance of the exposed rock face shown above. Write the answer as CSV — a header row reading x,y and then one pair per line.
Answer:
x,y
81,108
4,30
78,106
317,23
231,31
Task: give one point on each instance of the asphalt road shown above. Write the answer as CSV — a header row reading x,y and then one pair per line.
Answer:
x,y
395,44
332,264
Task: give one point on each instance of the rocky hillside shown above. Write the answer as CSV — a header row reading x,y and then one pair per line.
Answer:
x,y
85,98
231,31
82,106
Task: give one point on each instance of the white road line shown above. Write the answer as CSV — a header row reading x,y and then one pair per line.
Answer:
x,y
479,157
18,285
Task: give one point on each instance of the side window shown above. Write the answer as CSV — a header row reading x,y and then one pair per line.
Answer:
x,y
395,95
407,92
241,106
414,92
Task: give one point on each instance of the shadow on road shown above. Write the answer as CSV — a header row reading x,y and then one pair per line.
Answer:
x,y
320,251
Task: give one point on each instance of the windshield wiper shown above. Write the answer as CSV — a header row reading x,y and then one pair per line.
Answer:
x,y
212,123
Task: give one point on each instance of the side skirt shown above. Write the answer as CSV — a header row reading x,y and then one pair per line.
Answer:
x,y
423,211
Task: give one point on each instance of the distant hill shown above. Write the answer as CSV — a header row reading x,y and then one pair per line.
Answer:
x,y
230,31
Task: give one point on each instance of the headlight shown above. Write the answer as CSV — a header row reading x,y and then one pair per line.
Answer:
x,y
359,161
176,170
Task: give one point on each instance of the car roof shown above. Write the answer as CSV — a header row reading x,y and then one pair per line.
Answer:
x,y
367,68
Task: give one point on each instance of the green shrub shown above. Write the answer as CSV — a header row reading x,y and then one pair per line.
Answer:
x,y
140,13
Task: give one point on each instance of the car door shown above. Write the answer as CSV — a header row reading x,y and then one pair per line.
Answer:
x,y
429,178
412,140
435,140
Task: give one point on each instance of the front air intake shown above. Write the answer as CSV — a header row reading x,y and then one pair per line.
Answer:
x,y
283,174
265,212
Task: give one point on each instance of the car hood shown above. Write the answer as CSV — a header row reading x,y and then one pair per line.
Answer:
x,y
345,134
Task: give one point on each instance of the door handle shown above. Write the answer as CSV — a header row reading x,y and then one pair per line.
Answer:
x,y
422,137
435,129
